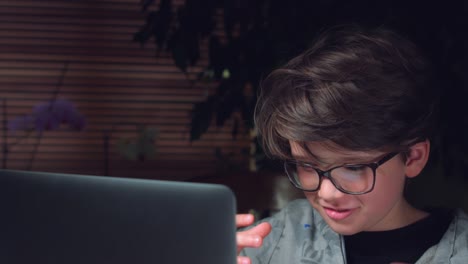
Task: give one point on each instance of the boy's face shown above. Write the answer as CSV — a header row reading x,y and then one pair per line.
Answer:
x,y
384,208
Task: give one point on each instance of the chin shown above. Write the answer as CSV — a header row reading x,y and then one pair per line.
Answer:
x,y
343,229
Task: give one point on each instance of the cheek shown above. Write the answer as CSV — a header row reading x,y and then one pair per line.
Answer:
x,y
391,179
311,197
389,186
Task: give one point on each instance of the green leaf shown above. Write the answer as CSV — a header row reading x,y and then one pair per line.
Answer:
x,y
226,74
162,23
179,55
202,114
140,148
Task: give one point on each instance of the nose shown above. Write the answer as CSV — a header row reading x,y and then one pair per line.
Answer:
x,y
328,191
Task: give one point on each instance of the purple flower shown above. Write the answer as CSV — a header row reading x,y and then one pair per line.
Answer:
x,y
49,116
21,123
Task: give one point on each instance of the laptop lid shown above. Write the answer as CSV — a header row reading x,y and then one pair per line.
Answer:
x,y
63,218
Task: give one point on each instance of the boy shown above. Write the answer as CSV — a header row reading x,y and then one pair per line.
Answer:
x,y
352,119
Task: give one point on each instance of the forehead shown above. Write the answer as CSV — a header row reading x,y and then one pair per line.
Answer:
x,y
327,153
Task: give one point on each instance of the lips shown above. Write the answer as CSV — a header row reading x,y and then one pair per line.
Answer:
x,y
337,214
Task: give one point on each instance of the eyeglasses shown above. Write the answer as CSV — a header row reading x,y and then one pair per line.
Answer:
x,y
349,178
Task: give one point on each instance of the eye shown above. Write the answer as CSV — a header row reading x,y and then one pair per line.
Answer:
x,y
304,166
355,168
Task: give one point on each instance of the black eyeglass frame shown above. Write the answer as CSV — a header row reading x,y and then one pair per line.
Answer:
x,y
327,173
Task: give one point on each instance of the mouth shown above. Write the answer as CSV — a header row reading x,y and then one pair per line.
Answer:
x,y
338,214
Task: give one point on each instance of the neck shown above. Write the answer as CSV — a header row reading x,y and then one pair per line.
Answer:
x,y
401,215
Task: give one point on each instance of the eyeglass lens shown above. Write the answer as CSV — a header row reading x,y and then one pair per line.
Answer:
x,y
354,178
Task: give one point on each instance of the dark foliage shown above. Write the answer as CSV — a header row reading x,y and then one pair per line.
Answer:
x,y
263,34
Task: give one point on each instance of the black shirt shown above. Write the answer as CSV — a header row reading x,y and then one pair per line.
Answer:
x,y
406,244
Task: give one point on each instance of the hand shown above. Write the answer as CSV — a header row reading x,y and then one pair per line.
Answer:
x,y
249,238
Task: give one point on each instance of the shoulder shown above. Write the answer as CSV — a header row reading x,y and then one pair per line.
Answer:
x,y
290,217
294,210
461,216
282,223
298,213
298,234
460,228
457,236
453,247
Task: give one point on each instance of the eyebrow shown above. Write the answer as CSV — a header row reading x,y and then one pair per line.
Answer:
x,y
312,160
317,161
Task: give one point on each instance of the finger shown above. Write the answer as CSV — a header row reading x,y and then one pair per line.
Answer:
x,y
262,230
243,260
252,237
244,220
248,240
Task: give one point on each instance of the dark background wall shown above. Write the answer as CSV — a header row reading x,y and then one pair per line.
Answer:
x,y
116,84
83,51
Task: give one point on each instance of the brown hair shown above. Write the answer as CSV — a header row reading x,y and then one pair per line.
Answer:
x,y
359,89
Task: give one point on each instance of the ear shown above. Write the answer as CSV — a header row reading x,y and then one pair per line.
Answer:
x,y
416,158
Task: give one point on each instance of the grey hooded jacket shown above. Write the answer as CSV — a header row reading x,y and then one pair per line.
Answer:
x,y
300,235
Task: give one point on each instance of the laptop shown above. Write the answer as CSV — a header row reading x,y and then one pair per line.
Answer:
x,y
54,218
